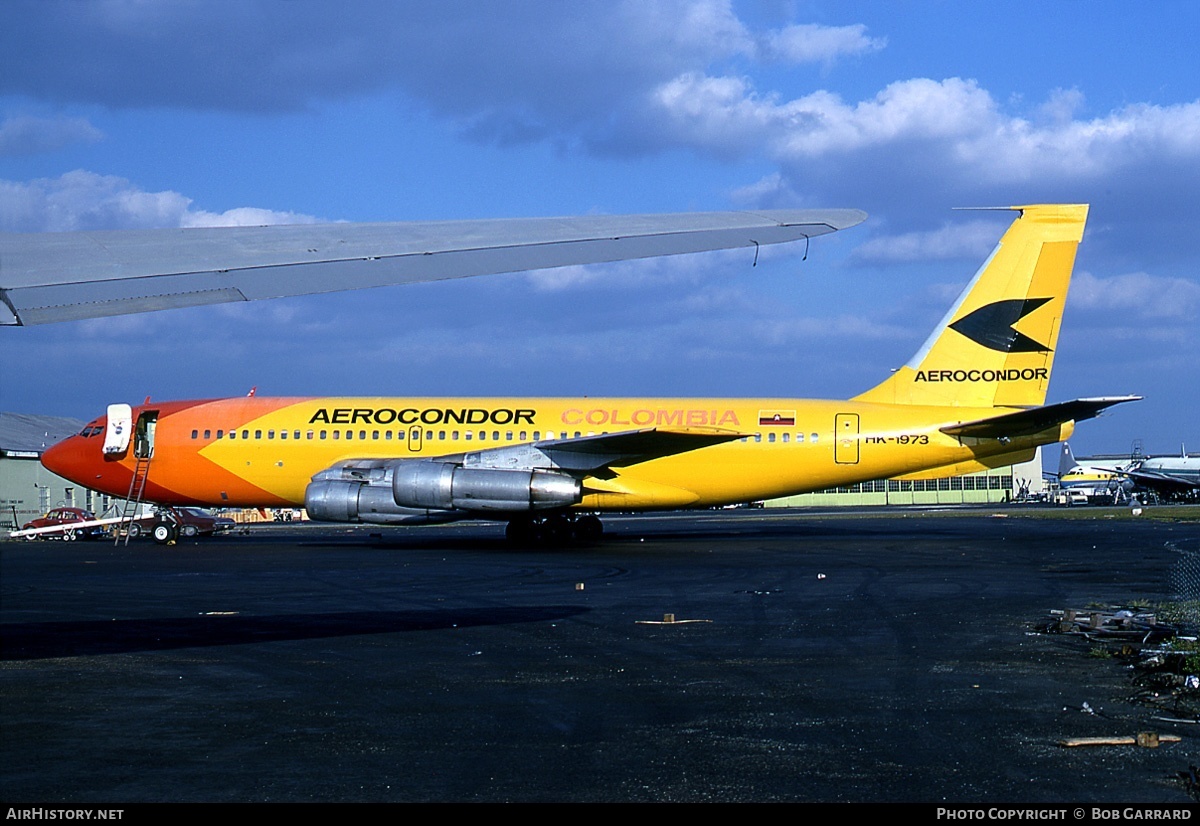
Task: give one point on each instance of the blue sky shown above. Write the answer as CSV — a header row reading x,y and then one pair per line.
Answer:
x,y
130,113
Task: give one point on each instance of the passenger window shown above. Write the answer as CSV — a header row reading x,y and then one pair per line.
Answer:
x,y
814,438
195,434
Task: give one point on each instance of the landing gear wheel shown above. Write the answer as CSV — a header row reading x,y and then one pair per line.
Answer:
x,y
164,533
134,530
520,531
588,528
189,531
557,529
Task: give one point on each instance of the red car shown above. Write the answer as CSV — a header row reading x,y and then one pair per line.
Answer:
x,y
186,522
65,517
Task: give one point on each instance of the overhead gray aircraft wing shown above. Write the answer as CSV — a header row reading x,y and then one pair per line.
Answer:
x,y
63,276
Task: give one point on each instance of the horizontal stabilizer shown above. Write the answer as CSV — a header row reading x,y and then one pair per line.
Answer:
x,y
1034,420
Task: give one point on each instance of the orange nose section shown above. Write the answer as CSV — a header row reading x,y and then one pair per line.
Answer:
x,y
60,458
77,459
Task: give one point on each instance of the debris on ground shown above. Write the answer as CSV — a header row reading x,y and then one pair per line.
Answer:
x,y
1143,739
1119,624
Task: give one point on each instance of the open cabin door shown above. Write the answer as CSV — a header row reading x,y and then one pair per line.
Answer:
x,y
121,429
143,441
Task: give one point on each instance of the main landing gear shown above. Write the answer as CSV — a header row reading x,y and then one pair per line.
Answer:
x,y
555,529
164,532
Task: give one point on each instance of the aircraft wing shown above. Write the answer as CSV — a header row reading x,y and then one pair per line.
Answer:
x,y
64,276
596,454
1159,481
589,453
1035,419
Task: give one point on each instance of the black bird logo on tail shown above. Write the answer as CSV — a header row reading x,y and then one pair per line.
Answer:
x,y
992,326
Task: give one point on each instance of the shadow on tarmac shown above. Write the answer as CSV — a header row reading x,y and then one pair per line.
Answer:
x,y
48,640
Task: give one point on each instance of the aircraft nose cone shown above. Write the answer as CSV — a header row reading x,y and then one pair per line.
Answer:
x,y
66,459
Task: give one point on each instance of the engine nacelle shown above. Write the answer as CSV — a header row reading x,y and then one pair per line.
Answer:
x,y
338,500
447,486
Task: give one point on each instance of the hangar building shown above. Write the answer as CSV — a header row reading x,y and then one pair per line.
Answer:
x,y
28,490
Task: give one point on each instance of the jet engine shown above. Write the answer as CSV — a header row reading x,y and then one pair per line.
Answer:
x,y
406,490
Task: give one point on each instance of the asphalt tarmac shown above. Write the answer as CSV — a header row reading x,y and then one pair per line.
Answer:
x,y
812,658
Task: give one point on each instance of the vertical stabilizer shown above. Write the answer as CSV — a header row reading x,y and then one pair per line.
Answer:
x,y
996,346
1066,462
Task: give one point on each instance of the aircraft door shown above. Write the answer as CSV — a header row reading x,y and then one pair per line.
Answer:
x,y
143,439
116,433
845,438
414,439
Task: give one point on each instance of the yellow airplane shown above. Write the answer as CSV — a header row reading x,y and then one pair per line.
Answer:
x,y
973,397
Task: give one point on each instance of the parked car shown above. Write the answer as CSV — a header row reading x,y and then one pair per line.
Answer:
x,y
65,517
188,522
205,522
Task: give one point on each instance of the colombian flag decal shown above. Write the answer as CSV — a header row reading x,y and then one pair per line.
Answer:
x,y
783,418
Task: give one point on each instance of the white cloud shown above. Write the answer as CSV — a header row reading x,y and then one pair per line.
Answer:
x,y
723,112
1137,295
955,120
810,43
970,240
244,217
83,200
28,135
